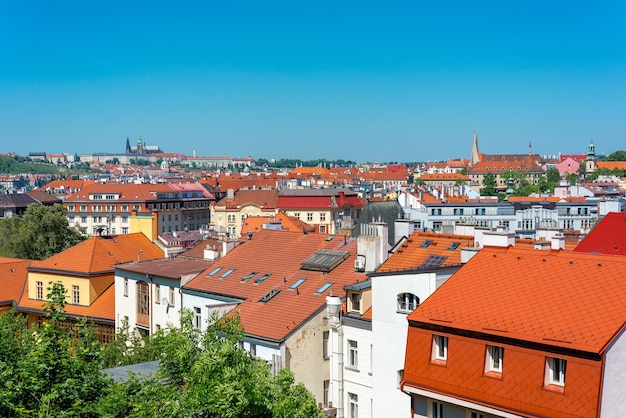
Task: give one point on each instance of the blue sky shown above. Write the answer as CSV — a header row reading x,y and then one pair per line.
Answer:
x,y
361,81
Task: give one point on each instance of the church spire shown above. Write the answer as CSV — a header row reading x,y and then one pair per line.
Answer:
x,y
475,153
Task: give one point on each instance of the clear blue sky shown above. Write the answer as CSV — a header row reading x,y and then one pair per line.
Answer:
x,y
361,81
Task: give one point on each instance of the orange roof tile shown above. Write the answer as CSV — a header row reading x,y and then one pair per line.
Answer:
x,y
266,199
414,252
280,254
99,254
290,223
533,303
13,275
547,297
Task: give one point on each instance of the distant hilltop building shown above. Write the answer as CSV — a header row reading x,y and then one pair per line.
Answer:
x,y
141,149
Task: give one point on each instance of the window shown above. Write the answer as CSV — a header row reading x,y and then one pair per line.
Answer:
x,y
172,296
39,290
440,348
248,276
353,354
83,208
407,302
555,371
124,230
214,271
297,283
353,406
322,229
157,293
143,299
322,217
495,356
309,217
325,336
70,208
296,215
355,302
260,279
474,414
125,287
197,317
326,390
124,208
226,273
324,287
75,295
436,410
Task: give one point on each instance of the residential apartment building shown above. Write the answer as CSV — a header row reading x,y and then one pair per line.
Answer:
x,y
86,271
326,209
519,333
107,208
229,214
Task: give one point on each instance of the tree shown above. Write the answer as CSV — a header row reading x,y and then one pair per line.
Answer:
x,y
616,156
489,185
53,370
553,176
42,232
208,375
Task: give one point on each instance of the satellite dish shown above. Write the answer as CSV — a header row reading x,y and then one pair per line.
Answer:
x,y
164,301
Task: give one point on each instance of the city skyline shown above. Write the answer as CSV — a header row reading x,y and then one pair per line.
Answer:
x,y
353,81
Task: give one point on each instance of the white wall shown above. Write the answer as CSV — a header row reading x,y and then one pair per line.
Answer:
x,y
613,389
207,305
358,382
389,333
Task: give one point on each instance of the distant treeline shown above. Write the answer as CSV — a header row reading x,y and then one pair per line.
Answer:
x,y
21,165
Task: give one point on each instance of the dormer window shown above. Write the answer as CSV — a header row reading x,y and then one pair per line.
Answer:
x,y
355,302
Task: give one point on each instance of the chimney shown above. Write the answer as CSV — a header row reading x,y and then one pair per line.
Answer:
x,y
558,242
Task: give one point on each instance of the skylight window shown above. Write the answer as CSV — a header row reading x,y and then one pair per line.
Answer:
x,y
248,276
426,243
453,246
323,288
434,261
269,295
262,278
324,260
296,284
226,273
215,271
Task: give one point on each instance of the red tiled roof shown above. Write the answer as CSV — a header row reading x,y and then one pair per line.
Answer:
x,y
534,302
13,275
99,254
607,237
255,223
411,254
266,199
612,165
279,253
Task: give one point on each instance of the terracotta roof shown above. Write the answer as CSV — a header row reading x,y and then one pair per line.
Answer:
x,y
444,176
317,199
290,223
266,199
279,254
99,254
13,275
547,297
612,165
607,237
426,250
172,268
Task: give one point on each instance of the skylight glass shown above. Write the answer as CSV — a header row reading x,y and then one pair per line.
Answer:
x,y
323,288
296,284
453,246
262,278
214,272
248,276
434,261
426,243
226,273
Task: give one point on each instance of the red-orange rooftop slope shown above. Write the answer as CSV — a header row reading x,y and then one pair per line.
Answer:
x,y
607,237
537,302
98,255
13,274
279,254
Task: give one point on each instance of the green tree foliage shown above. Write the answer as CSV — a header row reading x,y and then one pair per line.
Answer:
x,y
208,375
53,370
616,156
489,185
17,165
42,232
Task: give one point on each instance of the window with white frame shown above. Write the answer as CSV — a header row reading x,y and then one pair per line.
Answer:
x,y
474,414
326,391
353,354
407,302
353,405
440,348
197,317
555,371
75,294
355,302
495,355
325,337
39,290
125,287
322,217
157,293
309,217
436,410
172,296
